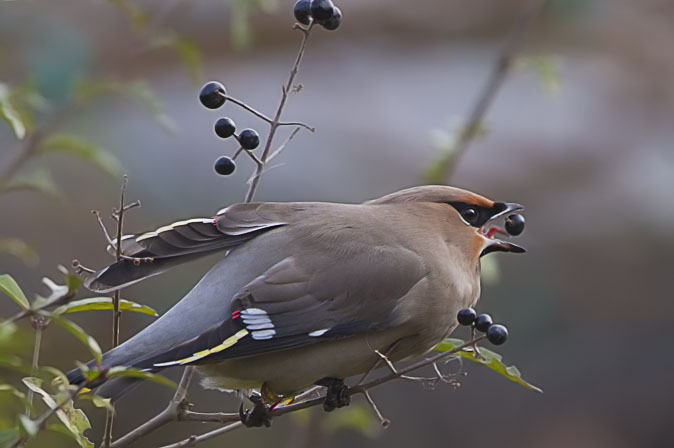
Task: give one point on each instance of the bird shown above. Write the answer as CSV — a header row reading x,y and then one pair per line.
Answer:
x,y
307,292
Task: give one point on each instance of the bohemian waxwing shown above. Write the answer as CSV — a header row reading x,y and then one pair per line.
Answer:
x,y
308,291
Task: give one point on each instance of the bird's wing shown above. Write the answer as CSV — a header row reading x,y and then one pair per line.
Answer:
x,y
154,252
308,298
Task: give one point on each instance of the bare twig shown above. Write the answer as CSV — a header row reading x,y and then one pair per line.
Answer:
x,y
275,123
254,158
497,76
108,238
79,268
283,145
171,413
36,357
193,440
383,420
116,312
262,116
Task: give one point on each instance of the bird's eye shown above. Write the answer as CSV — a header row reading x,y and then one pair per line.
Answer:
x,y
469,214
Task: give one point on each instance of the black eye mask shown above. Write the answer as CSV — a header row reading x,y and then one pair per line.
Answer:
x,y
475,215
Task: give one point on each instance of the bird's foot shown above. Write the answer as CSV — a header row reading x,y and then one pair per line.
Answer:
x,y
256,417
337,395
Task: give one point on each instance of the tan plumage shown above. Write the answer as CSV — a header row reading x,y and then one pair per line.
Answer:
x,y
314,288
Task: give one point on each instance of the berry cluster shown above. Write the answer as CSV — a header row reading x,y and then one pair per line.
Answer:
x,y
496,334
323,12
213,95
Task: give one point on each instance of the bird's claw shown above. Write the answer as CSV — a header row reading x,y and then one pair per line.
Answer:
x,y
256,417
337,395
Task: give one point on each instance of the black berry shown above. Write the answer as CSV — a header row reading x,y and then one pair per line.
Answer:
x,y
225,165
302,11
483,322
225,127
334,21
248,139
211,95
466,316
497,334
514,224
322,9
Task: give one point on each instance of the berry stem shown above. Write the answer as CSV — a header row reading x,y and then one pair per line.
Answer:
x,y
276,122
262,116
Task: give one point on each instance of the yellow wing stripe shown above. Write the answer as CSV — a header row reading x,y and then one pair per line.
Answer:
x,y
203,353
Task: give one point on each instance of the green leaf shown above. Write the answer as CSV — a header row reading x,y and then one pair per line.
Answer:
x,y
241,33
490,359
546,68
98,401
8,435
8,388
19,249
13,362
141,91
83,149
133,12
186,49
80,334
9,286
103,303
58,293
59,378
10,114
39,180
137,373
72,282
73,419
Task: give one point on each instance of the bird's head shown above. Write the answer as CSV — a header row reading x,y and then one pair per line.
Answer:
x,y
486,218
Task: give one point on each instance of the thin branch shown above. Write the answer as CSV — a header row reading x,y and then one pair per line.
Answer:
x,y
193,440
245,106
116,312
209,417
255,183
494,82
283,145
108,238
383,420
171,413
254,158
36,357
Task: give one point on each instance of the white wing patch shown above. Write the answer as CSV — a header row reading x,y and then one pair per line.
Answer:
x,y
263,334
257,321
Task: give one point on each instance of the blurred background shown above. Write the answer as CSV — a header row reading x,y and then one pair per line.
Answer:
x,y
581,133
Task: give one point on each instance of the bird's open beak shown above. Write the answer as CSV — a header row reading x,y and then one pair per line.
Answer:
x,y
494,227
